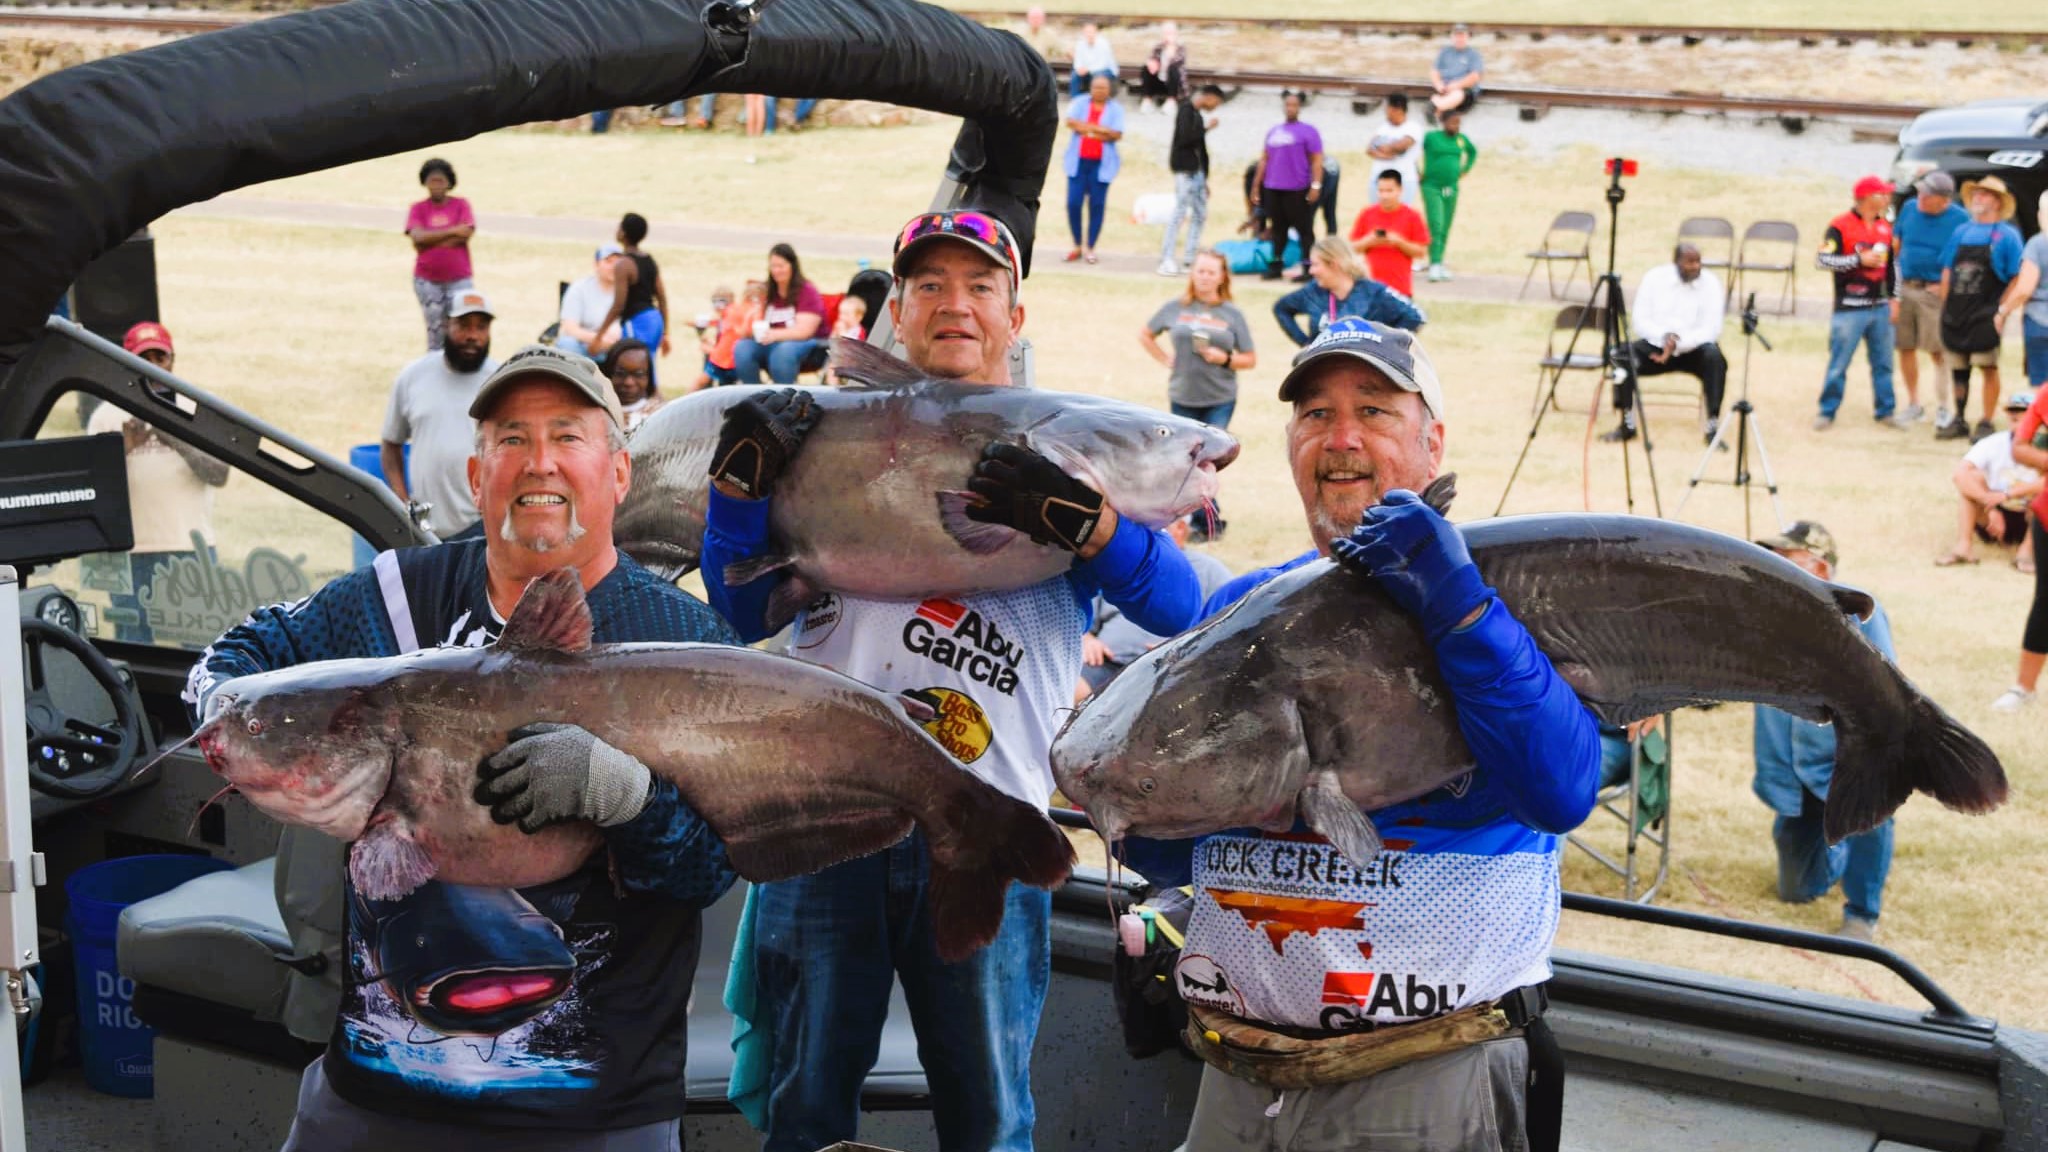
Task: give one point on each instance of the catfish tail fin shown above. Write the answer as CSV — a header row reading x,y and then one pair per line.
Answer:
x,y
1002,839
866,364
1938,756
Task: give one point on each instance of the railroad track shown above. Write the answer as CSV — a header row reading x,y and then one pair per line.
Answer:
x,y
1690,33
1362,91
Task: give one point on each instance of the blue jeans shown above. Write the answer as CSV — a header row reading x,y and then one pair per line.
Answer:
x,y
783,360
826,949
1214,415
803,109
1871,327
646,327
601,121
2037,352
1086,186
1808,865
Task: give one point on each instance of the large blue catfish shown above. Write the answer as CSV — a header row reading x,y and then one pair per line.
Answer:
x,y
874,504
1317,696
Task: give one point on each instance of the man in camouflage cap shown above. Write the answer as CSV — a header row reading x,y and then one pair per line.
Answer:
x,y
1795,759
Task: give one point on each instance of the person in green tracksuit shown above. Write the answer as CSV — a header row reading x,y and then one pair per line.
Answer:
x,y
1447,154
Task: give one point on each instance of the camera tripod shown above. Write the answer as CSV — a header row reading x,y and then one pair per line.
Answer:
x,y
1607,308
1744,434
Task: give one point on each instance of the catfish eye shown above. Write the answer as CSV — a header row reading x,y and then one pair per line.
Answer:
x,y
255,726
1163,431
1146,785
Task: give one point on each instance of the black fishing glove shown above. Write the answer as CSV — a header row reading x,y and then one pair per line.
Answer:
x,y
761,436
551,773
1021,489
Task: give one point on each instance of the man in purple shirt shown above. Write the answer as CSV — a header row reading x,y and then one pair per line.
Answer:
x,y
1288,183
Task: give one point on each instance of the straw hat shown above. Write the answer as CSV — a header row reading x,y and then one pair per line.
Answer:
x,y
2008,206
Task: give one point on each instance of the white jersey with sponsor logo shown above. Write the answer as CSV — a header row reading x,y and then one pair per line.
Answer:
x,y
1287,931
996,667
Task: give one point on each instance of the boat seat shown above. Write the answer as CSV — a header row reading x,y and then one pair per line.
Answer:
x,y
218,937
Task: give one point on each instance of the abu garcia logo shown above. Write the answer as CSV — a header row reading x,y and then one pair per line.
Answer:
x,y
958,637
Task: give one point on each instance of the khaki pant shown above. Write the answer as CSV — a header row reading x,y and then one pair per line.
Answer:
x,y
1919,327
1471,1100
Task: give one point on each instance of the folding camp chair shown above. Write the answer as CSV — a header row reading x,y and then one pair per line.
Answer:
x,y
1635,789
1768,232
1568,239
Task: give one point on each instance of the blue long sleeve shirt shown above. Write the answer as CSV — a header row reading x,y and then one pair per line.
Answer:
x,y
1139,570
1368,299
1794,755
1536,746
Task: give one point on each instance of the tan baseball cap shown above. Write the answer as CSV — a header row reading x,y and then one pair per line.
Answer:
x,y
579,372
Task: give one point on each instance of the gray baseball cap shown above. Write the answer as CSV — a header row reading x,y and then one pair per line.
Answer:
x,y
1395,352
1937,183
579,372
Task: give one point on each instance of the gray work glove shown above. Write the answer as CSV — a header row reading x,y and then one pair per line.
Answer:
x,y
550,773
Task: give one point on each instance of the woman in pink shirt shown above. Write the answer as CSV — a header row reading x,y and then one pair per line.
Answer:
x,y
440,227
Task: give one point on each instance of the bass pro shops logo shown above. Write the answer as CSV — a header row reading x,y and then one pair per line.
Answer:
x,y
961,727
952,634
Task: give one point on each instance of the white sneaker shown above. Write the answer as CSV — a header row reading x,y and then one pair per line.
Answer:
x,y
2012,700
1942,416
1168,268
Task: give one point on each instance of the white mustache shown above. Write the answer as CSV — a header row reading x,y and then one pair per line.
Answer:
x,y
576,531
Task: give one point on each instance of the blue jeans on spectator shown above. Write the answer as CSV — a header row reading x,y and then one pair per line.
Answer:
x,y
1808,865
601,121
1190,203
1214,415
646,327
1086,186
803,109
1077,83
1871,327
783,360
2037,352
826,949
721,375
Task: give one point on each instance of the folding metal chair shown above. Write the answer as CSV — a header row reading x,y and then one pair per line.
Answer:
x,y
1713,236
1768,232
1585,356
1638,795
1558,245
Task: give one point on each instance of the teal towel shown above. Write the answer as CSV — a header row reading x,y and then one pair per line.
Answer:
x,y
753,1045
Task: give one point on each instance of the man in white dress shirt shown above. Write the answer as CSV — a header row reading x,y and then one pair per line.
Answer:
x,y
1677,320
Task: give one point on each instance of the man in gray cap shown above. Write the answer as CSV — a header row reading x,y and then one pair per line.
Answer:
x,y
452,996
1457,73
1921,231
429,410
1405,997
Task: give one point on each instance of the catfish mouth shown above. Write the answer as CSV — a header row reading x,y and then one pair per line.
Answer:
x,y
282,793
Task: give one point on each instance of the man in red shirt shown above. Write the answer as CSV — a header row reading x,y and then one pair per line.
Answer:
x,y
1391,236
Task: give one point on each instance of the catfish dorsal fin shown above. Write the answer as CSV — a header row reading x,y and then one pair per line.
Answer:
x,y
552,616
866,364
1441,492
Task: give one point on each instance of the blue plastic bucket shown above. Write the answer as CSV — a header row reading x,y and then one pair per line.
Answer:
x,y
116,1043
369,458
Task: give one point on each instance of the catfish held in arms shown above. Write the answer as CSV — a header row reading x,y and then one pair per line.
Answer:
x,y
795,766
875,503
1317,696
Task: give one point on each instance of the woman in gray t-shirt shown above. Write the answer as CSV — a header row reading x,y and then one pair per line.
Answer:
x,y
1211,343
2028,296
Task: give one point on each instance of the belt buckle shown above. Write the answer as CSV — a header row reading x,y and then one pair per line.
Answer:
x,y
1524,1004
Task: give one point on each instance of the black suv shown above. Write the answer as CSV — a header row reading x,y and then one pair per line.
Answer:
x,y
2003,138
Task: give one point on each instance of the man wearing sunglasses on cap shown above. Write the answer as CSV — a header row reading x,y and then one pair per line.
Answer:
x,y
997,667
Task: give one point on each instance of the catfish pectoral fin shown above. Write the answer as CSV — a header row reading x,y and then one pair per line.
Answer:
x,y
388,862
1337,819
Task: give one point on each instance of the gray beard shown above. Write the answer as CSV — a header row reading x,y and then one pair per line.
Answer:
x,y
509,536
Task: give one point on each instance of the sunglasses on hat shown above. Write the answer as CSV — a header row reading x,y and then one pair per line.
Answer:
x,y
976,226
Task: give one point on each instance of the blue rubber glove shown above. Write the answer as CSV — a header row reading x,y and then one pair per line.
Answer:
x,y
1419,558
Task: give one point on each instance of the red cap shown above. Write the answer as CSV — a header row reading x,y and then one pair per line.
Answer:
x,y
145,336
1872,186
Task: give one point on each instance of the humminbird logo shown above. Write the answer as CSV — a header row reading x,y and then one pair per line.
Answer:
x,y
47,499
